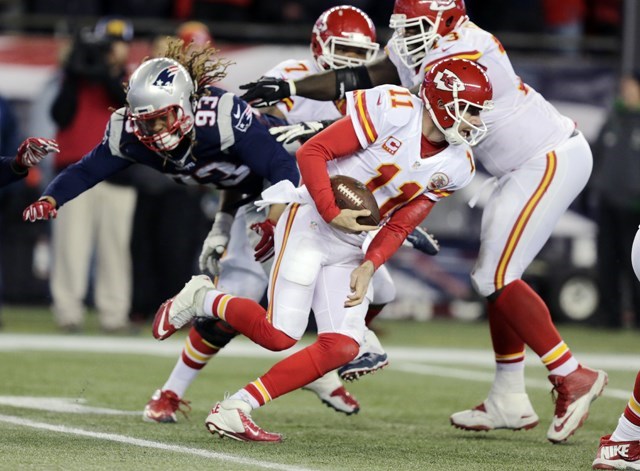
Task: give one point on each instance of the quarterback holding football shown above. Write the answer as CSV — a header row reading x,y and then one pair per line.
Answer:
x,y
319,263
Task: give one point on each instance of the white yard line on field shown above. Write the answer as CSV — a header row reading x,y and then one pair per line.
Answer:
x,y
147,444
243,347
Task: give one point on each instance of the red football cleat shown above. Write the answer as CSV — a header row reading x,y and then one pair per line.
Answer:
x,y
163,406
575,393
617,455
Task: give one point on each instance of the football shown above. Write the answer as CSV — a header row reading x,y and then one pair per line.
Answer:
x,y
353,194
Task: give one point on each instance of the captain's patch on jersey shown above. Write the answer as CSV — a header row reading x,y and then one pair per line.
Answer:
x,y
391,145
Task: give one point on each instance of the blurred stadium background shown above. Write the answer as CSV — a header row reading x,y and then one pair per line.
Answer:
x,y
404,421
576,68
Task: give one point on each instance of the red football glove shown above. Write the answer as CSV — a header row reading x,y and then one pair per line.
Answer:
x,y
34,149
42,209
264,249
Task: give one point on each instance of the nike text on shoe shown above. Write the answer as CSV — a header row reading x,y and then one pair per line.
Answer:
x,y
617,455
232,418
498,411
575,393
332,393
182,308
163,406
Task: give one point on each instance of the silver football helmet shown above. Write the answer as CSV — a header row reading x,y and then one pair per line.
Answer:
x,y
160,98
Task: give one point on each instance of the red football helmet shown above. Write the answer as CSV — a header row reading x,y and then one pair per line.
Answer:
x,y
418,23
451,89
339,28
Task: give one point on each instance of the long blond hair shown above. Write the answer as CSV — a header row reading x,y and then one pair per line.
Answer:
x,y
202,63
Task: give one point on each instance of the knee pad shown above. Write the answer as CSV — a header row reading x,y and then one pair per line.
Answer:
x,y
215,331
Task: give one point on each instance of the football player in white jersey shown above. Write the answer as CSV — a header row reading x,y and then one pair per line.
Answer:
x,y
342,36
540,162
621,449
410,152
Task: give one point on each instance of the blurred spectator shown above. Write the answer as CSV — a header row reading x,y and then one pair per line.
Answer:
x,y
604,17
217,10
616,186
565,20
194,32
101,219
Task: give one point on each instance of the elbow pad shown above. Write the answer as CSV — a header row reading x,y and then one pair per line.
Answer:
x,y
352,78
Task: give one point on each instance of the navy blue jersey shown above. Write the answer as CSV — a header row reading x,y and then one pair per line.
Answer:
x,y
232,149
7,173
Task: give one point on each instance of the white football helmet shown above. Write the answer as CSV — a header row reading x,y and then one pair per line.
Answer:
x,y
160,102
417,24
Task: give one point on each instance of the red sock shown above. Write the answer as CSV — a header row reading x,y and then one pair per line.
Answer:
x,y
528,316
632,411
507,344
250,319
372,313
329,352
197,351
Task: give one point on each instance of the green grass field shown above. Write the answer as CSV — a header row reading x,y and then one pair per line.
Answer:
x,y
437,368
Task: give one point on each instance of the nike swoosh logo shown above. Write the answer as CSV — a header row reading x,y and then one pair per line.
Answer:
x,y
163,318
237,113
559,426
379,101
275,87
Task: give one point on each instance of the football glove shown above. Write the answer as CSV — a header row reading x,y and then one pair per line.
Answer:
x,y
215,244
421,240
265,248
42,209
34,149
286,135
267,91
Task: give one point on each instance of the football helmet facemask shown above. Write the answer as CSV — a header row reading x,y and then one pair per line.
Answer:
x,y
160,98
453,90
418,24
339,31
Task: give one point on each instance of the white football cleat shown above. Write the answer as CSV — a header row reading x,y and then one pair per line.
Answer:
x,y
331,392
232,418
498,411
182,308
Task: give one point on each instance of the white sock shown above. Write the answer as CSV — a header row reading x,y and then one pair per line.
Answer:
x,y
208,303
566,368
509,378
243,395
181,378
625,431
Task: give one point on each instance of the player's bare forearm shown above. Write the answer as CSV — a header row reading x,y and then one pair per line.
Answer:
x,y
275,211
383,71
320,86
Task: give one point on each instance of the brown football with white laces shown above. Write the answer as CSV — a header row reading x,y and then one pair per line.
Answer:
x,y
353,194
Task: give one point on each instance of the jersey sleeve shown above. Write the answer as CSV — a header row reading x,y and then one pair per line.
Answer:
x,y
458,172
9,172
373,113
99,164
249,139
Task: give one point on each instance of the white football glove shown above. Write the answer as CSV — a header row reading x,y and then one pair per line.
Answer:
x,y
290,133
216,243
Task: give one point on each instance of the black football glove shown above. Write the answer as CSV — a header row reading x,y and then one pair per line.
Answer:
x,y
421,240
267,91
285,135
